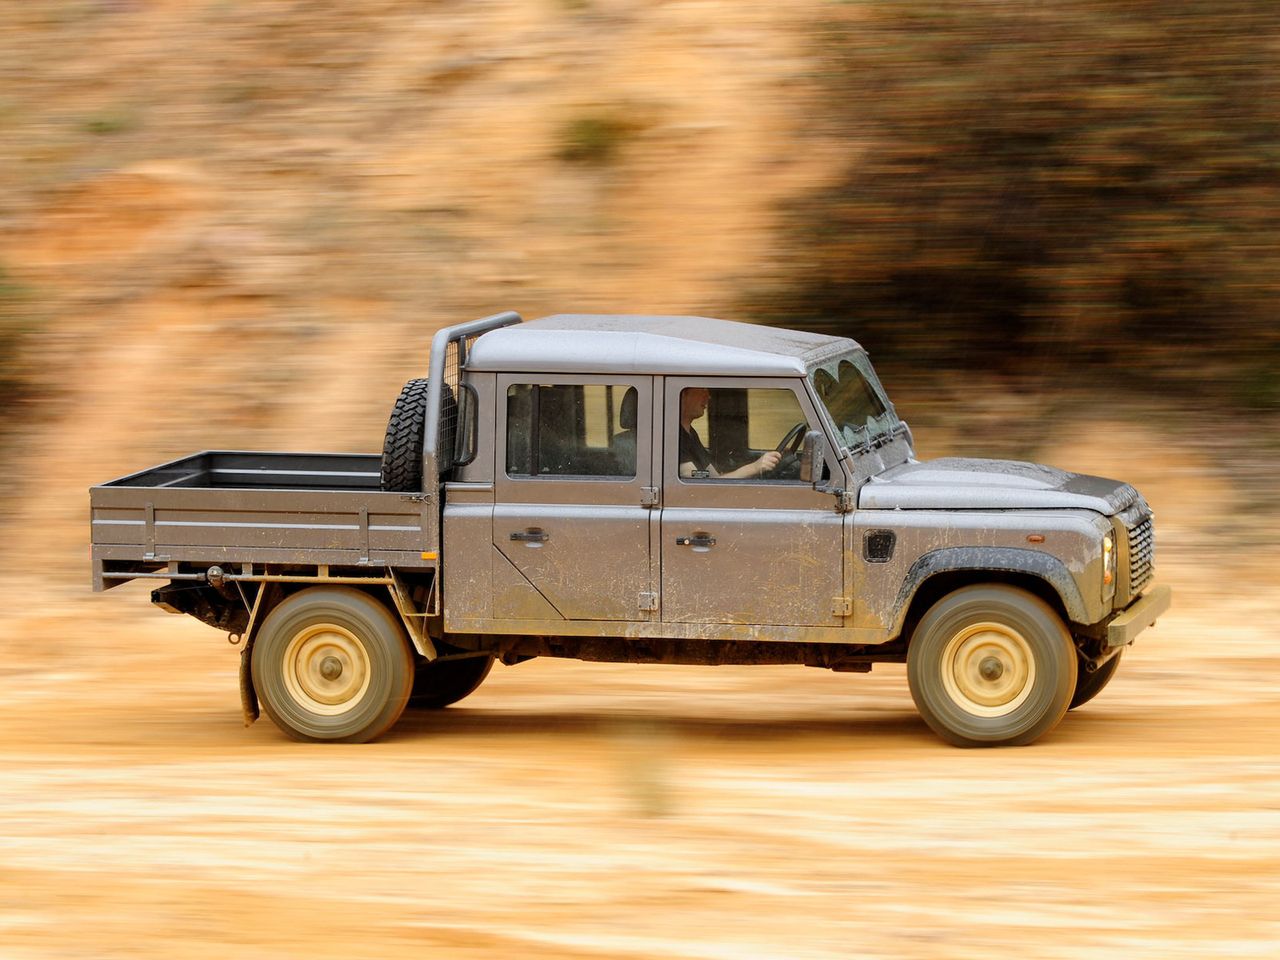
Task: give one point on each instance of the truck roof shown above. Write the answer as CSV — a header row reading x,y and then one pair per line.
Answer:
x,y
621,343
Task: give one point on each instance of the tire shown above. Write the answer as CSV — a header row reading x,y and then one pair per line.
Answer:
x,y
332,664
439,683
1089,685
406,427
991,665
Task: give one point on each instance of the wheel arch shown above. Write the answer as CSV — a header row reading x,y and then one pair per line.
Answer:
x,y
940,572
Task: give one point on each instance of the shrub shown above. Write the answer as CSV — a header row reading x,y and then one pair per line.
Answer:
x,y
13,329
594,139
1047,185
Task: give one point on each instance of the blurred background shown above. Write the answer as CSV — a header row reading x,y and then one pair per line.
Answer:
x,y
235,224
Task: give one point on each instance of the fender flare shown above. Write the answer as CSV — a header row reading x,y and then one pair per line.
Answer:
x,y
248,695
1042,566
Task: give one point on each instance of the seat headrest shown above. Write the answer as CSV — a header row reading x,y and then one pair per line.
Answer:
x,y
627,413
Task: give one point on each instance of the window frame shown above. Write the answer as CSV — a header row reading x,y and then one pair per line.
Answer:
x,y
574,488
747,492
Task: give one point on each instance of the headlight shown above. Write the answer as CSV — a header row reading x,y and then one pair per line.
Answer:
x,y
1108,559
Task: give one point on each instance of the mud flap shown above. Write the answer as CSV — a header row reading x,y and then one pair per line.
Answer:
x,y
248,696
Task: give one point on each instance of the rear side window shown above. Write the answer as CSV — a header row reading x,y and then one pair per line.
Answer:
x,y
571,430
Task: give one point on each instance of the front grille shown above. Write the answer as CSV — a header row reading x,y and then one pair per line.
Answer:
x,y
1142,553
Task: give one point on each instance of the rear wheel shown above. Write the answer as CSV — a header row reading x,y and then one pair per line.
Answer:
x,y
332,663
991,665
1089,685
438,683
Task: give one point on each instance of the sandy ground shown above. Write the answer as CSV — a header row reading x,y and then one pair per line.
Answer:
x,y
577,810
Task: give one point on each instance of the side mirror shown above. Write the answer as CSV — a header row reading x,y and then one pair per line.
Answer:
x,y
812,457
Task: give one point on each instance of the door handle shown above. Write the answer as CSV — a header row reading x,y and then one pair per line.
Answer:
x,y
532,535
698,541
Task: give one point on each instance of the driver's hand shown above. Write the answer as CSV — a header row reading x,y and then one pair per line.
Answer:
x,y
768,461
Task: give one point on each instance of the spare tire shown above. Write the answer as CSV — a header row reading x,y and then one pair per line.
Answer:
x,y
402,448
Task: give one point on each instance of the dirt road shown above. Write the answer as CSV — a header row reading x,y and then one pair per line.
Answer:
x,y
576,810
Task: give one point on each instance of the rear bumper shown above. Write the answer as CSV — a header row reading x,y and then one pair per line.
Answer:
x,y
1142,613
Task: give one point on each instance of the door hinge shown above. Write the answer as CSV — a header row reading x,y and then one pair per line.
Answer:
x,y
845,501
649,497
841,607
649,601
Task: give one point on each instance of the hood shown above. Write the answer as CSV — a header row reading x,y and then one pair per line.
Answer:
x,y
957,483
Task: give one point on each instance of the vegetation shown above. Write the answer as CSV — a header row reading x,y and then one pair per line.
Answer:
x,y
111,122
1042,187
594,139
13,328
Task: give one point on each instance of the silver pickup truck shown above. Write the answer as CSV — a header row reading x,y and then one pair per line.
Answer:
x,y
642,489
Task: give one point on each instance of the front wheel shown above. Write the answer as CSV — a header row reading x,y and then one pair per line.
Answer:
x,y
1089,685
332,663
438,683
991,665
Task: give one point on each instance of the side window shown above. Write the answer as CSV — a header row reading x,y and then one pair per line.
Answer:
x,y
733,434
571,430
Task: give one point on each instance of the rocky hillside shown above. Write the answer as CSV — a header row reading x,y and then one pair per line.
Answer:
x,y
236,224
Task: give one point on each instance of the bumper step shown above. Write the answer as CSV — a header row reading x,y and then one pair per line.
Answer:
x,y
1139,615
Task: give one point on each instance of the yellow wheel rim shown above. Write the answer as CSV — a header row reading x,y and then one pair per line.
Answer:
x,y
988,669
326,669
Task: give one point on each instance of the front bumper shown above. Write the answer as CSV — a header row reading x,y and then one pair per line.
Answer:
x,y
1142,613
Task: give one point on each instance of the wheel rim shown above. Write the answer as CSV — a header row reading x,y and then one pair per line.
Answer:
x,y
326,669
988,669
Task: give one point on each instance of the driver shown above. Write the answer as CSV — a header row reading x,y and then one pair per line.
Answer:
x,y
695,459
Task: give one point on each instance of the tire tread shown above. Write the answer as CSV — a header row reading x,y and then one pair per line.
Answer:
x,y
992,601
402,446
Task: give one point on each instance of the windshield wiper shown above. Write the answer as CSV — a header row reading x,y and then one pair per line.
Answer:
x,y
893,433
900,429
865,443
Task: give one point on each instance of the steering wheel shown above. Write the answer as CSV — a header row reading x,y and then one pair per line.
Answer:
x,y
788,467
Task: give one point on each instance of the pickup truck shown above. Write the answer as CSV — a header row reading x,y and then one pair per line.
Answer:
x,y
647,489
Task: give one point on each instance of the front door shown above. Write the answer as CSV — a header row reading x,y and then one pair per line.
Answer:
x,y
744,540
571,518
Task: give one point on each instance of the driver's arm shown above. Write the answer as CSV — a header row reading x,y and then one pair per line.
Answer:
x,y
756,468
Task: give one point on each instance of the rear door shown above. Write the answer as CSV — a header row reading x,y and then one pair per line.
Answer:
x,y
571,518
757,549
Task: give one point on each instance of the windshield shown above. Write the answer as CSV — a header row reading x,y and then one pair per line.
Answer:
x,y
852,394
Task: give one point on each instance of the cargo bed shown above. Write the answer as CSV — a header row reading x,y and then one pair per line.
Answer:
x,y
235,508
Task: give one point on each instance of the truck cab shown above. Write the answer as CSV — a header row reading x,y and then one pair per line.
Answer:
x,y
579,520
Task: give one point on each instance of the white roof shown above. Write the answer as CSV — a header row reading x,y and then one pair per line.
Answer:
x,y
591,343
